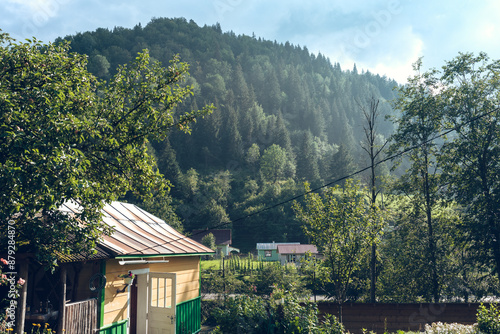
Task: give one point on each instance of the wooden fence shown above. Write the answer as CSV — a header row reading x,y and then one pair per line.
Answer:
x,y
390,318
81,317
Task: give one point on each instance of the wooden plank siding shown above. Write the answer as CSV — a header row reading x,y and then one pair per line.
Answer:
x,y
81,317
116,304
382,317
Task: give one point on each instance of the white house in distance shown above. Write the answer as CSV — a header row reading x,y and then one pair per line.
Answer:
x,y
294,253
285,252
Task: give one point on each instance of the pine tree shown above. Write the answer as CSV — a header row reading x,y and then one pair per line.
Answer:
x,y
307,159
343,164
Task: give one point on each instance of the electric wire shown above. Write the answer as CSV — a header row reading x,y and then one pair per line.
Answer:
x,y
392,157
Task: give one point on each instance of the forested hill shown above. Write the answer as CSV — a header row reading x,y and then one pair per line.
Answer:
x,y
284,116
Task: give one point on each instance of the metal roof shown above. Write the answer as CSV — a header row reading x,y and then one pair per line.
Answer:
x,y
297,249
139,233
82,257
274,245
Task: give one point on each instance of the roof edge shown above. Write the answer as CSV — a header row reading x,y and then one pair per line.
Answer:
x,y
136,256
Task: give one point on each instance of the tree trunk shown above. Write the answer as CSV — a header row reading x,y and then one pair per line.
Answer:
x,y
62,302
430,231
21,311
373,274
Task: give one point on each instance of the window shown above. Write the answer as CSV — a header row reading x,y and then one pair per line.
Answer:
x,y
268,253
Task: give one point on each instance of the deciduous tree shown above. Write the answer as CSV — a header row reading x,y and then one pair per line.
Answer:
x,y
471,88
343,224
418,128
65,135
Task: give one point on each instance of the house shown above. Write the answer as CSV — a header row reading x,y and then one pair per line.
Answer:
x,y
87,292
223,240
269,251
294,253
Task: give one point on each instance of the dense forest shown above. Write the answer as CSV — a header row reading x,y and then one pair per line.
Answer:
x,y
283,116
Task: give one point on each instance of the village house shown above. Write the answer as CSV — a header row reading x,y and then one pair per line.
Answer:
x,y
285,252
295,253
269,251
144,278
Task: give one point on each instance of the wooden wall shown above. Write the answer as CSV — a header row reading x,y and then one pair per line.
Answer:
x,y
390,318
116,304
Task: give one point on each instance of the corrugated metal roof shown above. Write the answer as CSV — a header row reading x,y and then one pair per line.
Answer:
x,y
297,249
137,232
273,245
81,257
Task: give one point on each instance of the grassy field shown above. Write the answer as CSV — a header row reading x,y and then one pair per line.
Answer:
x,y
216,264
211,264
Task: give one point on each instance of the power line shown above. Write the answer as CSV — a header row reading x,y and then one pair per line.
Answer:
x,y
396,155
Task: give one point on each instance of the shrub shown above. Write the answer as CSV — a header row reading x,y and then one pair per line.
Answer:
x,y
488,319
280,313
442,328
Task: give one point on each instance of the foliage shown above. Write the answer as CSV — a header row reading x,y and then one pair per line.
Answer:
x,y
209,241
488,319
9,293
65,136
38,329
472,91
281,313
270,93
275,275
444,328
266,94
273,163
343,225
419,123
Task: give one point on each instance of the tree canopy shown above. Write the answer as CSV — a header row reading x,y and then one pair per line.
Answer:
x,y
67,136
343,224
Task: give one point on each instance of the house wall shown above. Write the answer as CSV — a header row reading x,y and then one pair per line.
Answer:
x,y
78,280
274,255
116,304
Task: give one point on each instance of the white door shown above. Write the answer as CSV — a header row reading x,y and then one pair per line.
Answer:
x,y
161,303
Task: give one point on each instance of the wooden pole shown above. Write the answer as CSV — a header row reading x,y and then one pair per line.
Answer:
x,y
21,311
62,301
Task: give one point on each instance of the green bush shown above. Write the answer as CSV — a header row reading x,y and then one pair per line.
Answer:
x,y
280,313
488,319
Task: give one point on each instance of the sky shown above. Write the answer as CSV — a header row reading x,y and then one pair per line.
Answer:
x,y
383,36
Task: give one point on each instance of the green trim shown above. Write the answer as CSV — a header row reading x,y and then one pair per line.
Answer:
x,y
135,256
188,301
119,327
188,316
102,295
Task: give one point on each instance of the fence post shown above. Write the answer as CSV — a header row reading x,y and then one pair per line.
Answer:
x,y
22,300
62,301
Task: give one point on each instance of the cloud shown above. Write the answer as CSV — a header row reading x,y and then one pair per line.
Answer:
x,y
384,36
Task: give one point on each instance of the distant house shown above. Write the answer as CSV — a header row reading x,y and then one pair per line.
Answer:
x,y
223,240
294,253
269,251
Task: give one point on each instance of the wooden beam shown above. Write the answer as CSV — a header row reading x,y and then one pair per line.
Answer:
x,y
62,301
21,311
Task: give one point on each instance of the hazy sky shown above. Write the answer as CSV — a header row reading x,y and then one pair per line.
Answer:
x,y
383,36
